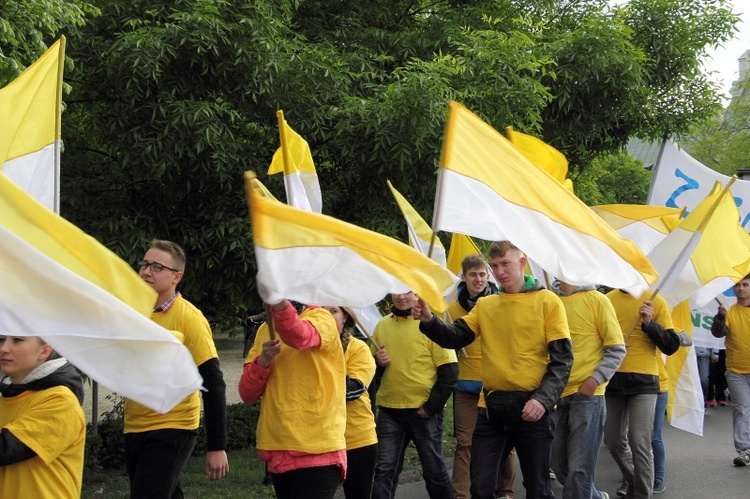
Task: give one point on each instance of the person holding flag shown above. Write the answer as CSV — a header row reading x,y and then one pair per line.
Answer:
x,y
734,324
418,378
300,379
42,426
475,284
526,360
647,327
158,446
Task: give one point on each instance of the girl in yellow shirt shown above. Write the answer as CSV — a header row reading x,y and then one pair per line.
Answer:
x,y
42,426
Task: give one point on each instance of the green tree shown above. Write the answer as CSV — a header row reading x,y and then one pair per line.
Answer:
x,y
28,26
172,100
613,179
722,142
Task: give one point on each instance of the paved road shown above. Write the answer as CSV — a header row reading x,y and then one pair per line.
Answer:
x,y
697,467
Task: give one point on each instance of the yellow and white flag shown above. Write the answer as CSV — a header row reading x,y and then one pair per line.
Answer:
x,y
645,225
685,406
30,127
488,189
295,160
707,253
420,234
542,155
92,307
318,259
461,247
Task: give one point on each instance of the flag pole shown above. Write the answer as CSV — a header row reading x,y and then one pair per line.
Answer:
x,y
656,168
269,321
361,326
687,250
444,154
285,152
58,125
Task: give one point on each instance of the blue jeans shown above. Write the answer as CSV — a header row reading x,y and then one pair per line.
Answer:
x,y
396,428
657,442
579,428
492,444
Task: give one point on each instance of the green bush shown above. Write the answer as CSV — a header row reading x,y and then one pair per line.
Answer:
x,y
106,450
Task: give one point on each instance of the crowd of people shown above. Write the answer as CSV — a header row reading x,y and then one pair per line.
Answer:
x,y
538,376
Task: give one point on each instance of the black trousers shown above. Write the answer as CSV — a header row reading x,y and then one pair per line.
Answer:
x,y
155,459
360,471
311,483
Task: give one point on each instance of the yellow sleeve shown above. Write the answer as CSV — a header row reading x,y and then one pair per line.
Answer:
x,y
359,362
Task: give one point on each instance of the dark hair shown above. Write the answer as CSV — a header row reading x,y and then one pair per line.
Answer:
x,y
349,321
174,249
473,261
500,248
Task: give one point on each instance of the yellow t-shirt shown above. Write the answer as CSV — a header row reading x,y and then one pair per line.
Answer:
x,y
303,407
738,339
470,364
593,326
188,320
641,351
514,330
360,421
663,373
51,423
408,380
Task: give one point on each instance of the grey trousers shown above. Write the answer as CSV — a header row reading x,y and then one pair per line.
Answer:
x,y
627,435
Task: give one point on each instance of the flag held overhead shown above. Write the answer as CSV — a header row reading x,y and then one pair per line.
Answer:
x,y
488,189
318,259
420,233
30,126
92,307
295,160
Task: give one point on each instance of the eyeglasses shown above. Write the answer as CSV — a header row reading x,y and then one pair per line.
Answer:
x,y
155,267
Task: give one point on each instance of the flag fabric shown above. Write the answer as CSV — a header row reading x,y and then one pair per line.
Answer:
x,y
294,159
30,127
681,181
542,155
368,317
313,258
685,405
420,233
707,253
62,285
645,225
488,189
461,247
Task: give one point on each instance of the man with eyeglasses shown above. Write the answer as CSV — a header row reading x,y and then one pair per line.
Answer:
x,y
157,446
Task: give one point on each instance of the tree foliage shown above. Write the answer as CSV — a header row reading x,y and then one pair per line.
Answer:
x,y
27,26
172,100
722,142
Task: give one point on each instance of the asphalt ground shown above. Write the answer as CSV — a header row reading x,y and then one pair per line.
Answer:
x,y
696,466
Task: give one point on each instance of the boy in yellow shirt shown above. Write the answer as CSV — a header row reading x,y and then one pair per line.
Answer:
x,y
526,359
598,350
157,446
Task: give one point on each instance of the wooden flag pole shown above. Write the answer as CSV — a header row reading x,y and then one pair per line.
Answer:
x,y
269,321
361,326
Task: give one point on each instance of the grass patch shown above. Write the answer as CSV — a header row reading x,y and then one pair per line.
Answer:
x,y
243,480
